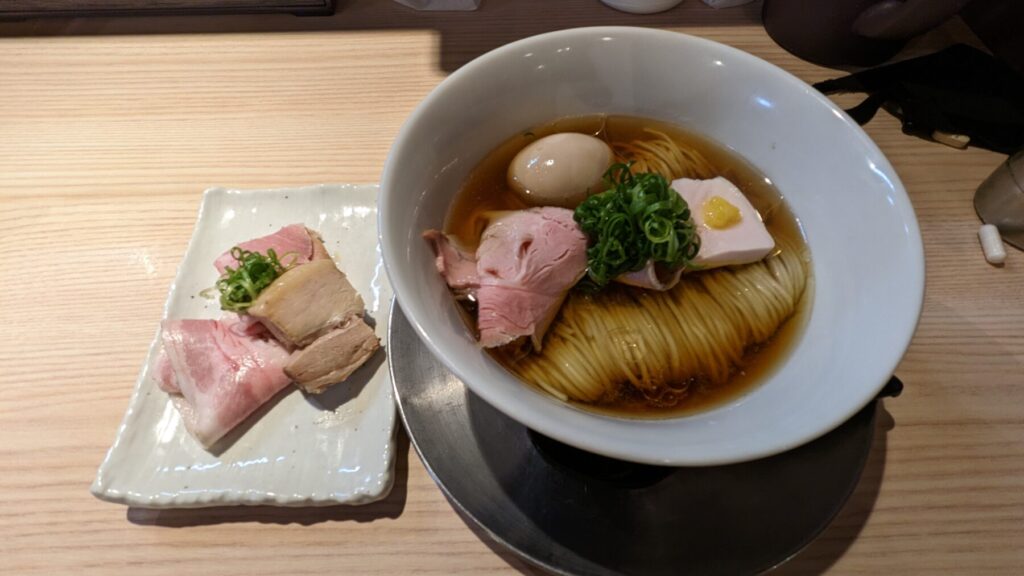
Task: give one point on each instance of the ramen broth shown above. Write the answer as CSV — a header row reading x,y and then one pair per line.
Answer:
x,y
486,189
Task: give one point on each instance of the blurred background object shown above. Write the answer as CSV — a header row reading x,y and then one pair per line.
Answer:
x,y
957,96
441,4
642,6
726,3
999,200
57,8
869,32
1000,26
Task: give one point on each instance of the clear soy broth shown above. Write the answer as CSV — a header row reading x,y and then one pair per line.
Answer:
x,y
486,190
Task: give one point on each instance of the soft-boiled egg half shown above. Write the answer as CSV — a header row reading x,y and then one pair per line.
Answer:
x,y
560,169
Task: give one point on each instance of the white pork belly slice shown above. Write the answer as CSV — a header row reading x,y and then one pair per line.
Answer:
x,y
455,264
306,302
217,374
333,357
293,244
527,261
741,242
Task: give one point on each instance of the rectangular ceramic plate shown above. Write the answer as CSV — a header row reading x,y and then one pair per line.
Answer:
x,y
298,450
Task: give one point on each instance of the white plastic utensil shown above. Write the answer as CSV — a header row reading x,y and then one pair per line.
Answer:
x,y
992,244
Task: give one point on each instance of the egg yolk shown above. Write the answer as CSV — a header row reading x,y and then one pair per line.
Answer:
x,y
719,213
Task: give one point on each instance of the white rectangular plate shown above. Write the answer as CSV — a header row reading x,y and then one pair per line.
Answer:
x,y
299,450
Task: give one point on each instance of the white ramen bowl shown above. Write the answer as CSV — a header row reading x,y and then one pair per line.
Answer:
x,y
868,262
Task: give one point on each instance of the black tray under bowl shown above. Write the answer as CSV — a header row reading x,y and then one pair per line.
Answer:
x,y
573,512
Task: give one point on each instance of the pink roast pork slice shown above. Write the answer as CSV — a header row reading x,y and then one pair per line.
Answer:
x,y
455,264
525,265
527,262
293,244
217,374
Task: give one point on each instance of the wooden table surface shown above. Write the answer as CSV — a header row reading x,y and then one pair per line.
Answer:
x,y
109,131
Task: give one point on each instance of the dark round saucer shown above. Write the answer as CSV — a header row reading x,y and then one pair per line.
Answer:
x,y
573,512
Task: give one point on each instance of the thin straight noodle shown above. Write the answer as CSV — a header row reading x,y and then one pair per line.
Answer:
x,y
694,331
683,307
624,360
714,318
763,311
713,361
667,314
651,338
581,371
549,389
733,308
590,351
662,330
603,322
677,314
569,372
662,155
738,307
598,339
712,331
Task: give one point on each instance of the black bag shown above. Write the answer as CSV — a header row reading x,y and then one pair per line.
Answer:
x,y
959,90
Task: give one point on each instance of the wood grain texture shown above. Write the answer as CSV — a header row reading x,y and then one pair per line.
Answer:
x,y
107,139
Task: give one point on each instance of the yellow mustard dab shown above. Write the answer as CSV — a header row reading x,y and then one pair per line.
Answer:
x,y
719,213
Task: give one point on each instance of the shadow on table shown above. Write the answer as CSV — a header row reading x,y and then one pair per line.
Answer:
x,y
390,507
833,543
464,35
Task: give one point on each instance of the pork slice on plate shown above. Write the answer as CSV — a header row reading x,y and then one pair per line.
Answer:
x,y
527,261
306,302
217,374
333,357
245,325
293,244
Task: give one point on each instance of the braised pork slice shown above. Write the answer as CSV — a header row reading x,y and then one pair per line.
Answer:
x,y
332,357
306,302
217,374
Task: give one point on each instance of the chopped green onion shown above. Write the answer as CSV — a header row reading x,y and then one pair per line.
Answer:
x,y
639,219
239,287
